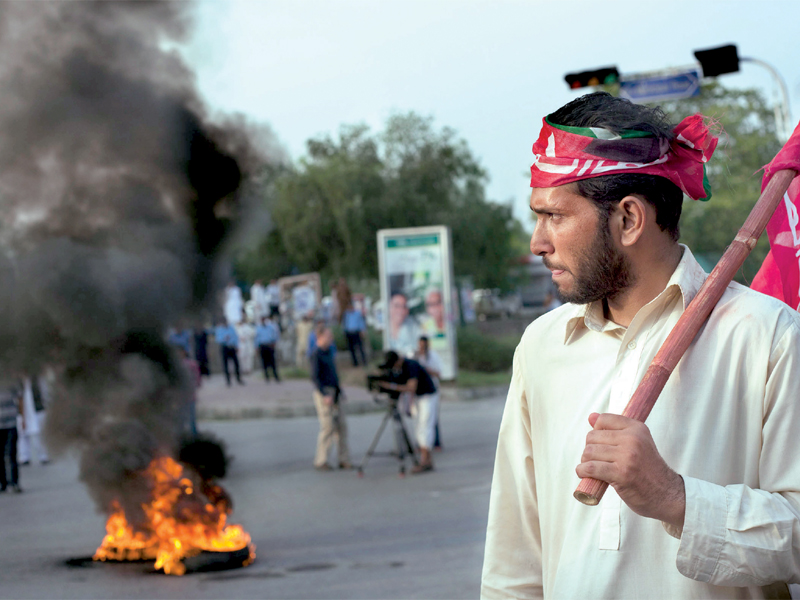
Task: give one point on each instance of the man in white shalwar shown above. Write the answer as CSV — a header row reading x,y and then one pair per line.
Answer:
x,y
30,423
704,499
258,294
234,304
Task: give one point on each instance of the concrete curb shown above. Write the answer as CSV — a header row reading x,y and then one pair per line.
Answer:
x,y
352,407
275,412
477,393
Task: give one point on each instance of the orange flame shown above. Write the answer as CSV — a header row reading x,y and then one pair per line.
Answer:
x,y
180,522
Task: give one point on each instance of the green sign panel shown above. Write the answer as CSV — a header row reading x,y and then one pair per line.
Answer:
x,y
419,240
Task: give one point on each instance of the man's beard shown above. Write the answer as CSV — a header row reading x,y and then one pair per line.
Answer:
x,y
602,272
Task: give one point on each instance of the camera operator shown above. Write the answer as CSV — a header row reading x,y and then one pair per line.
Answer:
x,y
411,377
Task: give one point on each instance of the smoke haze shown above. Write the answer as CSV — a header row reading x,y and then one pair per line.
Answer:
x,y
118,194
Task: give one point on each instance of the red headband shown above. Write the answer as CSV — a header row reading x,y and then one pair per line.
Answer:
x,y
565,154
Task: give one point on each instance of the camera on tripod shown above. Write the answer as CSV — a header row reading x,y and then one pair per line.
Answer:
x,y
374,380
403,448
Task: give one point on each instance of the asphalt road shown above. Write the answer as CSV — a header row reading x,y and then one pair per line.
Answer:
x,y
319,535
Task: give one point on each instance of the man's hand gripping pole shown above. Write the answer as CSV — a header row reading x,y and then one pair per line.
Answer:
x,y
590,491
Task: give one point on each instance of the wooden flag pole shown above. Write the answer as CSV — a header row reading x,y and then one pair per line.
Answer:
x,y
590,491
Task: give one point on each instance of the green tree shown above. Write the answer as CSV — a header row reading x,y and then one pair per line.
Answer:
x,y
322,208
330,206
748,141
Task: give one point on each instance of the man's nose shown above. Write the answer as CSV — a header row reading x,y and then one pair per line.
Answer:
x,y
540,241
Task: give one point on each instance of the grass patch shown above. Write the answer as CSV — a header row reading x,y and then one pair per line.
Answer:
x,y
374,339
295,373
357,377
483,360
474,379
485,353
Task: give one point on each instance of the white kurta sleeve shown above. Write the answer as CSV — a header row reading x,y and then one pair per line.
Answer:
x,y
512,564
739,536
436,363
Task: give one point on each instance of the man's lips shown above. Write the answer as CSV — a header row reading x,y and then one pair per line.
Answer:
x,y
556,272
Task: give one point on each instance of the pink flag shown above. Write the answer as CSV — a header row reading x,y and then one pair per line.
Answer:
x,y
779,275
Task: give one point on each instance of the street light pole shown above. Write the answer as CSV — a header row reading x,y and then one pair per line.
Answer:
x,y
783,115
725,59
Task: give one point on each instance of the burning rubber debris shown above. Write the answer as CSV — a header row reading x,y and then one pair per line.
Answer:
x,y
186,515
120,194
181,522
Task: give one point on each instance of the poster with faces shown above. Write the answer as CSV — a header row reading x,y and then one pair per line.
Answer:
x,y
416,289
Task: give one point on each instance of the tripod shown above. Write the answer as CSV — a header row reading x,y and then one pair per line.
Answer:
x,y
402,442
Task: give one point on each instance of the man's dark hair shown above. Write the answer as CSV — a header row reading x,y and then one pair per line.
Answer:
x,y
601,109
389,360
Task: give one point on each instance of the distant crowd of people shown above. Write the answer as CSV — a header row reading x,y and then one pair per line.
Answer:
x,y
240,336
242,333
246,330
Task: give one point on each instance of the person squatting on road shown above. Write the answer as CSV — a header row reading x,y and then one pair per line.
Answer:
x,y
267,334
411,377
705,499
328,399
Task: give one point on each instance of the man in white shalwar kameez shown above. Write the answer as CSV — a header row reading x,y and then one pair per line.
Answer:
x,y
704,499
233,304
30,424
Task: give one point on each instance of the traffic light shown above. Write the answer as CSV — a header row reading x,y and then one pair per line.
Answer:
x,y
592,78
718,61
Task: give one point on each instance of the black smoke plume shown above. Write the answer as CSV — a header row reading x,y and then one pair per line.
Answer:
x,y
119,194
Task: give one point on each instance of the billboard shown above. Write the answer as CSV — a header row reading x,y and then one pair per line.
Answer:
x,y
416,277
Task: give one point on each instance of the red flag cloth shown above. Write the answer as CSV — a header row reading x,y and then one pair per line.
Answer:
x,y
779,275
563,154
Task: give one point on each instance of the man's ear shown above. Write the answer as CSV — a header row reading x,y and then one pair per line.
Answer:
x,y
630,219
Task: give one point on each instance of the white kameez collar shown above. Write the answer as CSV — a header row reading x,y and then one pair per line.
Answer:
x,y
687,279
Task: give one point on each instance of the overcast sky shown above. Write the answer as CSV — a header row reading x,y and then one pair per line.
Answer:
x,y
489,69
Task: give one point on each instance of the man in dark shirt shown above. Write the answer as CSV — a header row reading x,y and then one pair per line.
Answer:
x,y
9,409
228,342
355,329
411,377
267,335
327,396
